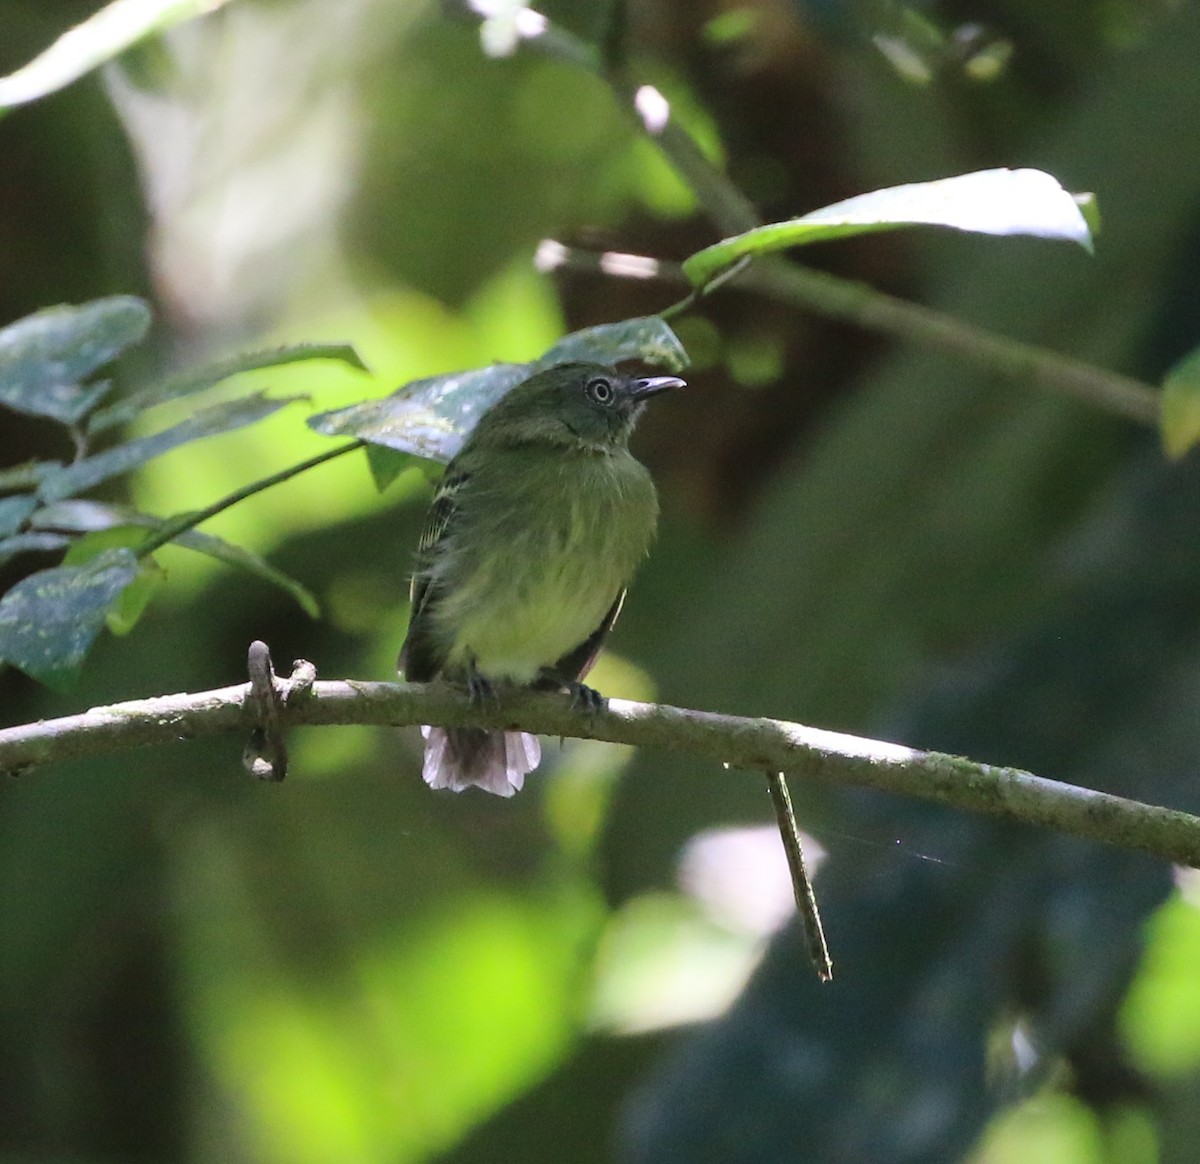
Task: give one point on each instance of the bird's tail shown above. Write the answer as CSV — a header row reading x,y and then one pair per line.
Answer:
x,y
457,758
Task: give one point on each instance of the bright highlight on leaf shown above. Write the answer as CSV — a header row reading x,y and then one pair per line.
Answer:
x,y
1000,202
1180,420
97,40
430,418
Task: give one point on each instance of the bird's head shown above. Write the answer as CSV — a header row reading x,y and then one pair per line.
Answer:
x,y
577,403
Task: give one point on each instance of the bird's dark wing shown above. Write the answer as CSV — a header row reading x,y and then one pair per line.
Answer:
x,y
576,663
419,658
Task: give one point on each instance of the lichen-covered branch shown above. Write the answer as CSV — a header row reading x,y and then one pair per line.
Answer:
x,y
756,745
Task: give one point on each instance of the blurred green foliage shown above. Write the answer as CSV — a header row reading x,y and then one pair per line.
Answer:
x,y
348,967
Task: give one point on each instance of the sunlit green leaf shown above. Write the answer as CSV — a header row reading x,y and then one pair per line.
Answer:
x,y
49,620
131,603
646,338
1001,202
130,528
1179,420
98,39
45,357
198,380
387,464
1089,207
219,418
13,511
102,541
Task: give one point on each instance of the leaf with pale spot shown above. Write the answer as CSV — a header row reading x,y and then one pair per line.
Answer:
x,y
49,620
647,338
46,357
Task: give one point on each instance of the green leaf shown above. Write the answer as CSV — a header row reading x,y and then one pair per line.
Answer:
x,y
198,380
647,338
130,528
428,418
98,39
219,418
1089,207
131,603
28,475
1179,421
387,464
45,357
49,620
998,202
14,511
82,516
231,555
29,543
101,541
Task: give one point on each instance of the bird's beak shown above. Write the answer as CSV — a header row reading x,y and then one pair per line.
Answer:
x,y
652,385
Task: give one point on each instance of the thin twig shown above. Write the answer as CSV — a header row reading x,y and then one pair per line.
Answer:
x,y
173,528
802,887
755,745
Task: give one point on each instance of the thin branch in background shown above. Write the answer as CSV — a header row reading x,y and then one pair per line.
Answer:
x,y
846,300
802,887
552,255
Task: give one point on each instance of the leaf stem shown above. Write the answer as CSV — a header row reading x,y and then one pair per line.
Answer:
x,y
843,299
173,527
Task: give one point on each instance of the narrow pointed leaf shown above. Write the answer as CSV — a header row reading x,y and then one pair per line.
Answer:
x,y
198,380
81,516
45,357
1180,418
252,563
219,418
428,418
100,38
30,543
1001,202
49,620
647,338
28,475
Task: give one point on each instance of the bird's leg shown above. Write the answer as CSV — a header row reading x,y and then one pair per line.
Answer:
x,y
479,689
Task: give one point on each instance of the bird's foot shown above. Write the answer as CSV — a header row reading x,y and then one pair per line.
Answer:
x,y
585,698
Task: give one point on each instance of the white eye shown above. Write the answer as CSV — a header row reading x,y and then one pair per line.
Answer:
x,y
600,390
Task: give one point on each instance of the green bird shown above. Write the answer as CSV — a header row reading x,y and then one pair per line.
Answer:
x,y
532,538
